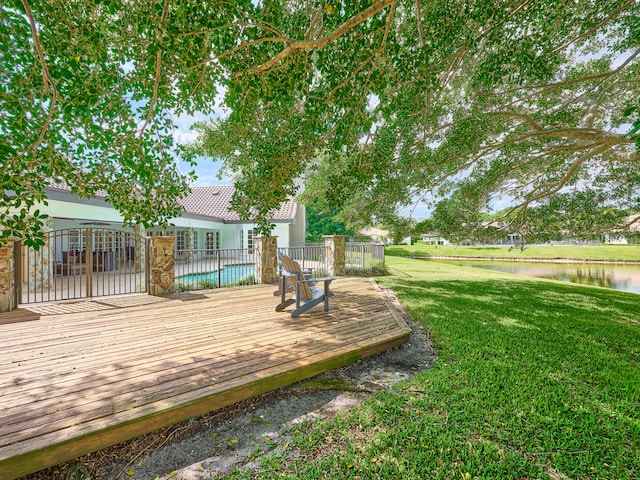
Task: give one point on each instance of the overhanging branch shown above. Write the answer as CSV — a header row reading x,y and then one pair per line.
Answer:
x,y
293,45
49,84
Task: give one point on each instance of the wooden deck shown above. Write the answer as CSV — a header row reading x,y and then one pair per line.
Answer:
x,y
78,377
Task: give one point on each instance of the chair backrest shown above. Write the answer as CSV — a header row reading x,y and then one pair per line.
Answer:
x,y
292,266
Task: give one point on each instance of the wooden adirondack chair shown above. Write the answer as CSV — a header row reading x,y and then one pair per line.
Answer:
x,y
306,294
289,267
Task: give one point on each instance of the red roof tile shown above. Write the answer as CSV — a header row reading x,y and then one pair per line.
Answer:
x,y
215,202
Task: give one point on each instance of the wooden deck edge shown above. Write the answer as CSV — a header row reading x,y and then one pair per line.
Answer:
x,y
393,304
21,465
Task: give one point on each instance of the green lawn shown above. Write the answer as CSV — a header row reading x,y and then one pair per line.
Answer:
x,y
535,379
603,252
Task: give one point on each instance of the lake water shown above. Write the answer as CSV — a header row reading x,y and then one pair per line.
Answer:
x,y
617,277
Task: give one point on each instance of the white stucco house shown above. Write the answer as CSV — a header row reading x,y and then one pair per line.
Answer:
x,y
207,222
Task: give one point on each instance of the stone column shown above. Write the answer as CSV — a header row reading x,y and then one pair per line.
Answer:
x,y
336,254
265,251
7,276
40,274
161,264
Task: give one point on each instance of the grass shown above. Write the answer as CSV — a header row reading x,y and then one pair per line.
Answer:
x,y
579,252
535,379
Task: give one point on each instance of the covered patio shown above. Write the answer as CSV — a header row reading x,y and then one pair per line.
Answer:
x,y
78,377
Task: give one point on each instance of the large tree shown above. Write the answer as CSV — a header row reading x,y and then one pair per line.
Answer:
x,y
87,98
377,103
374,103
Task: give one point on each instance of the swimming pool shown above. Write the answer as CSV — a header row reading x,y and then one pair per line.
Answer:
x,y
226,276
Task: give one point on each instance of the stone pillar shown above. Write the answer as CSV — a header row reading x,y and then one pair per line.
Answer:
x,y
161,264
7,276
40,274
336,254
265,251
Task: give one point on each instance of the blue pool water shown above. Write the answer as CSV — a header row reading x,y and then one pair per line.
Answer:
x,y
229,274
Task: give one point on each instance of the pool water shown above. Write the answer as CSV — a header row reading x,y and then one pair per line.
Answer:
x,y
227,275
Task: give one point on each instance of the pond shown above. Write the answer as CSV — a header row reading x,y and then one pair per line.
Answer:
x,y
623,277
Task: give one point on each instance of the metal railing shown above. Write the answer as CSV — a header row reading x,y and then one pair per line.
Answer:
x,y
363,257
79,263
310,256
213,268
204,269
359,257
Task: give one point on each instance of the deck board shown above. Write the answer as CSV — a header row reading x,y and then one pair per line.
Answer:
x,y
77,377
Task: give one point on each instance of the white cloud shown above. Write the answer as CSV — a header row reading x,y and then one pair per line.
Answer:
x,y
183,138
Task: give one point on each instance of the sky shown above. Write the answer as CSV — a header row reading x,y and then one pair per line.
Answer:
x,y
207,169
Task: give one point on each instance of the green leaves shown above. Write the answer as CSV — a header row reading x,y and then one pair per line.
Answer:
x,y
107,126
373,105
507,98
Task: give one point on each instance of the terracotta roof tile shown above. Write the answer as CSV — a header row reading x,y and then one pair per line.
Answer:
x,y
211,202
215,202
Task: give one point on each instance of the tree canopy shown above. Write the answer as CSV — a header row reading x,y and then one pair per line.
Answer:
x,y
88,92
374,103
320,224
379,103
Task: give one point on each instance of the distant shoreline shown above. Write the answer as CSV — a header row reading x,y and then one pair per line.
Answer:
x,y
525,259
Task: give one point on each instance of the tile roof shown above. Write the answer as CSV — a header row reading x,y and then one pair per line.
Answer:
x,y
215,202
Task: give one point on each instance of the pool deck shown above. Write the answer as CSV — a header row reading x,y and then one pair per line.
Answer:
x,y
78,377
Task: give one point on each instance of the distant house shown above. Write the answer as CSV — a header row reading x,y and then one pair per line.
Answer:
x,y
376,235
207,222
630,236
434,238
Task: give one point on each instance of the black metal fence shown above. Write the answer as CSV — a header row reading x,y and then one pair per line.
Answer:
x,y
77,263
214,268
203,269
364,258
311,256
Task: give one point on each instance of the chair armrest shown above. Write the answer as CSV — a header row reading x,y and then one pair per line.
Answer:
x,y
313,280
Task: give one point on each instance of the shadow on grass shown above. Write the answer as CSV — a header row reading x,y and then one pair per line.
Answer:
x,y
525,369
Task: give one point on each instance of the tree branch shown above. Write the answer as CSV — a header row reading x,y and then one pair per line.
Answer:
x,y
156,83
577,133
556,186
594,28
419,20
624,157
48,82
320,43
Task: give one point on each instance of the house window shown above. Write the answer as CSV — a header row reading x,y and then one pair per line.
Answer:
x,y
250,240
212,241
194,240
241,238
77,239
180,240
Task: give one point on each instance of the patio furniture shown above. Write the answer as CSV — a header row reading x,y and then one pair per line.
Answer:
x,y
73,263
306,294
288,265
